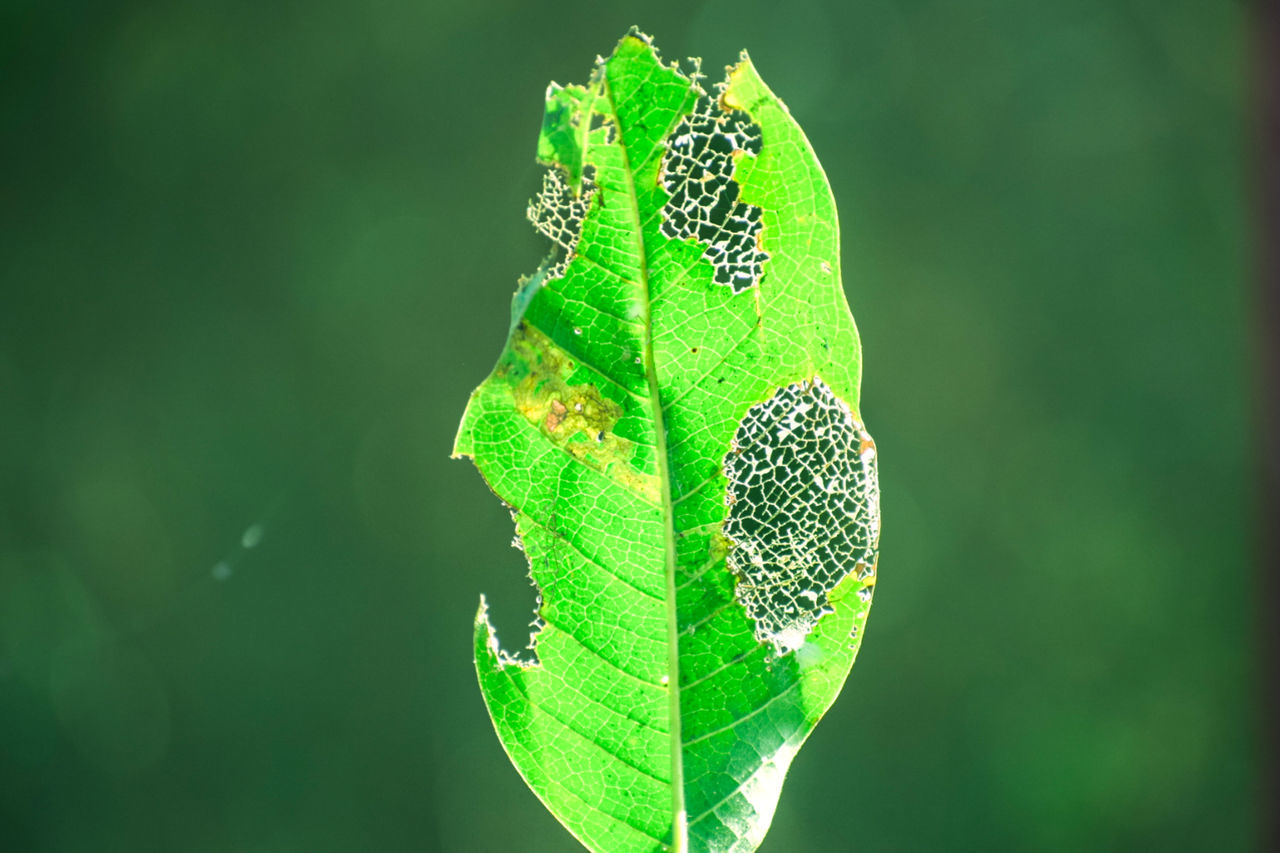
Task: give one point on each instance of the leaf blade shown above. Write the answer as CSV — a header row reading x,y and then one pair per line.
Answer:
x,y
702,282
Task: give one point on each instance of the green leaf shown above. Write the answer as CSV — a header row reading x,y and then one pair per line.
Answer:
x,y
674,425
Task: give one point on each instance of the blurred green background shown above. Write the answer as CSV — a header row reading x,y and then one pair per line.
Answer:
x,y
254,257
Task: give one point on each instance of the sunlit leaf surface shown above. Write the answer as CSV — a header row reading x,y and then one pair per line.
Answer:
x,y
674,425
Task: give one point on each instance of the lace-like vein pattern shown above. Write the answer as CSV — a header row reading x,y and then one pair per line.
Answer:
x,y
804,508
698,172
557,211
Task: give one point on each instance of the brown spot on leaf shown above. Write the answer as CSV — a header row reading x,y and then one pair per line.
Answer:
x,y
555,416
575,417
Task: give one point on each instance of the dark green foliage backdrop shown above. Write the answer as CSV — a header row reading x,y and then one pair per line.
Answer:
x,y
255,256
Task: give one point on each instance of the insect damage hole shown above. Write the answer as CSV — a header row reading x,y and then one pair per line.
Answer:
x,y
557,211
526,657
702,154
804,508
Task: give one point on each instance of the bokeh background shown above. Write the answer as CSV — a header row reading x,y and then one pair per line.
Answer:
x,y
254,257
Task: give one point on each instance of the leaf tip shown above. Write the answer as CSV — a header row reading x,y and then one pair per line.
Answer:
x,y
634,32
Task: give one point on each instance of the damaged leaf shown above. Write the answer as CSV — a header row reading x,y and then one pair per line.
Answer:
x,y
674,424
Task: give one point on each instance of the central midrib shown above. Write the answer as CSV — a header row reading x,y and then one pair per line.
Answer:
x,y
679,815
